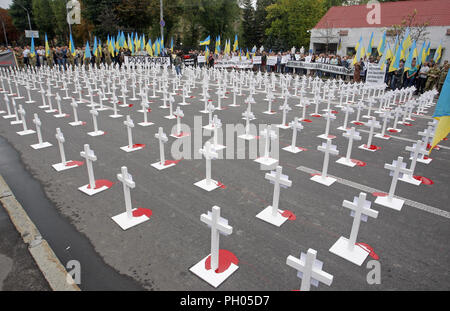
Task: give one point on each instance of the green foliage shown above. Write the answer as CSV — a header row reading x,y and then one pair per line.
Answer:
x,y
291,19
19,15
248,26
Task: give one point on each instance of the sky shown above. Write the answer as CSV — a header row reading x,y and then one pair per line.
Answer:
x,y
5,3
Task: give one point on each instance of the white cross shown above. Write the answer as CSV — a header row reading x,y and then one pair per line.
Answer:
x,y
269,134
427,134
296,126
397,167
129,124
373,123
360,208
161,136
210,109
90,157
351,135
94,114
309,270
60,138
386,116
419,148
209,153
38,124
348,110
22,116
179,114
330,116
74,106
128,183
217,124
278,179
285,107
218,226
248,115
58,102
328,149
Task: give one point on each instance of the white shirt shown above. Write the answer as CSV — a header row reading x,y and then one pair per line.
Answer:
x,y
26,52
423,71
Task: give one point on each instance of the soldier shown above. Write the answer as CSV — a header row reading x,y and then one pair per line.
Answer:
x,y
443,76
19,56
50,58
71,59
107,56
433,76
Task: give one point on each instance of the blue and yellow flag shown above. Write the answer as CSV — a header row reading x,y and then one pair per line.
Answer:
x,y
442,114
94,49
32,49
72,46
207,41
47,47
236,43
87,51
382,44
412,54
369,47
438,53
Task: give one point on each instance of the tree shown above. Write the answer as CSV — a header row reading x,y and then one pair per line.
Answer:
x,y
261,22
11,31
418,31
43,17
134,15
248,24
290,21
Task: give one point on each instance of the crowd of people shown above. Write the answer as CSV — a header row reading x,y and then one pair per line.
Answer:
x,y
424,77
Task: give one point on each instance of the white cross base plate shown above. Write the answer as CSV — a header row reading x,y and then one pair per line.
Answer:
x,y
41,146
211,277
208,186
27,132
247,137
266,161
90,191
161,167
292,149
410,180
76,123
394,203
115,116
128,149
266,215
344,161
327,181
61,167
356,256
98,133
385,137
145,123
126,223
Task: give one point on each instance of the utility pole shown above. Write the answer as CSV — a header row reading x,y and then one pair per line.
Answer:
x,y
4,32
161,22
28,14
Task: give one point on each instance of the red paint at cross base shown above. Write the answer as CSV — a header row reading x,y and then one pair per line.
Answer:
x,y
75,163
142,211
312,175
359,163
368,249
138,146
393,131
307,120
372,147
358,123
316,116
170,162
334,112
102,183
289,215
226,258
424,180
221,185
130,105
379,194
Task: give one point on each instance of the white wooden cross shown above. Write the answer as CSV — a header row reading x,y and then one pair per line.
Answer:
x,y
129,124
296,127
58,102
372,124
351,135
285,107
386,115
161,136
209,153
179,114
268,134
217,124
397,168
278,179
128,183
360,208
218,226
248,115
328,149
309,270
61,140
75,113
348,110
427,134
330,116
419,148
38,124
94,114
210,108
22,117
90,157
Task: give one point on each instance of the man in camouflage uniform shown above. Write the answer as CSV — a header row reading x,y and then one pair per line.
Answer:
x,y
19,57
433,76
71,59
443,76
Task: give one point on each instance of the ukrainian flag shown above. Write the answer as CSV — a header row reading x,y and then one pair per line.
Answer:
x,y
442,114
207,41
32,50
438,54
71,46
47,47
87,51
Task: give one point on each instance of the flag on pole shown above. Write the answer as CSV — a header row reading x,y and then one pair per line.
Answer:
x,y
442,114
207,41
32,49
395,63
171,44
94,49
438,53
339,44
369,48
236,43
72,46
47,47
87,51
382,44
420,57
412,54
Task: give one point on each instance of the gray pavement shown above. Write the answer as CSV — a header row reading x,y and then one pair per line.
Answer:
x,y
412,244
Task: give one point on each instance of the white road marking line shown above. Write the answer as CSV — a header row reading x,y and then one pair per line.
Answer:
x,y
421,206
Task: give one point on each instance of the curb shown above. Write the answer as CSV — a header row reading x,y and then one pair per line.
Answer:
x,y
50,266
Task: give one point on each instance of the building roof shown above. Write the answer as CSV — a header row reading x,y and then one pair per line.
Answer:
x,y
436,12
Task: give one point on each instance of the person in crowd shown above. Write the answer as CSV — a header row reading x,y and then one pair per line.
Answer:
x,y
422,78
411,75
433,76
443,75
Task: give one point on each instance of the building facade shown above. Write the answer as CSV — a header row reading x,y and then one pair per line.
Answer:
x,y
346,24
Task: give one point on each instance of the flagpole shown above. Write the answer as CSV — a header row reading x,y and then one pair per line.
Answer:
x,y
161,19
67,11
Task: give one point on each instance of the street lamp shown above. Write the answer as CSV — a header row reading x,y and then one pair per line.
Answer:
x,y
28,14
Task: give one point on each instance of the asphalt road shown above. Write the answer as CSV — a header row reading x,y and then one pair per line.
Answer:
x,y
412,244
